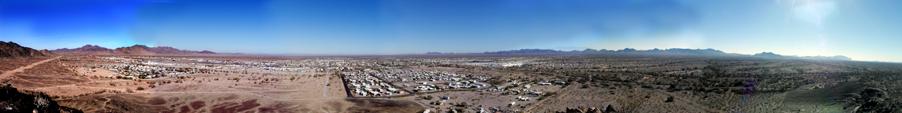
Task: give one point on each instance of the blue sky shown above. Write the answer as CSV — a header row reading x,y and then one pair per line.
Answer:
x,y
861,29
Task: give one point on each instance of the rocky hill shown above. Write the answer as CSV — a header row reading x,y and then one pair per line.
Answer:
x,y
14,101
131,50
11,49
87,49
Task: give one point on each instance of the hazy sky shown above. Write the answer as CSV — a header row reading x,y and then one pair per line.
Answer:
x,y
861,29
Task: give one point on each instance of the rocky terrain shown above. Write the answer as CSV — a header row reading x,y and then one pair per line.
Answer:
x,y
11,49
14,101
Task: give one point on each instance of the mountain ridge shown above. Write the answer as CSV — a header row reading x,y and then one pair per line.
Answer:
x,y
12,49
130,50
664,52
778,56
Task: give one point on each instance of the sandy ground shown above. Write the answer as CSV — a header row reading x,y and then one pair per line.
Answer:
x,y
93,90
13,63
6,74
630,100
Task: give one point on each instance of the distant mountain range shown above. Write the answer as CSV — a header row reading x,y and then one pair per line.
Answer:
x,y
11,49
657,52
131,50
626,51
777,56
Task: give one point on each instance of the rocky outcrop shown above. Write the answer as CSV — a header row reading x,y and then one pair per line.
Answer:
x,y
14,101
871,100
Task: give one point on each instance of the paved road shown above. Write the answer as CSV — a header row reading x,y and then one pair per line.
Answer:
x,y
7,74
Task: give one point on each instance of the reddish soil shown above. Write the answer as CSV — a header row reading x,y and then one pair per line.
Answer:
x,y
231,107
197,104
384,106
13,63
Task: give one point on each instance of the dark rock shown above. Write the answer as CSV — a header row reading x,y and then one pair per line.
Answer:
x,y
609,109
669,99
14,101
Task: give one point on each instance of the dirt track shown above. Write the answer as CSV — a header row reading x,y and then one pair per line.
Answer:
x,y
20,69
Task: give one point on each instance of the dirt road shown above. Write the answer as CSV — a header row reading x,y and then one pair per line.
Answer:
x,y
7,74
